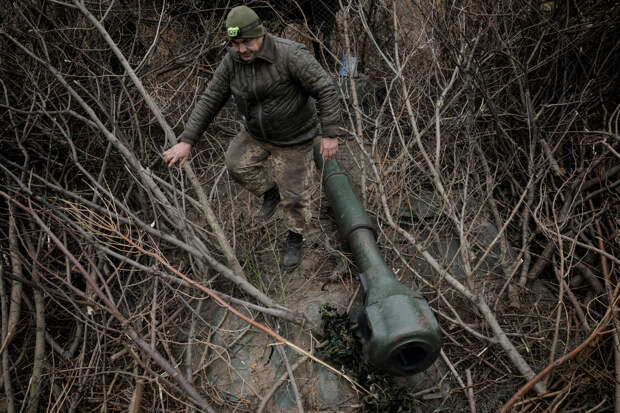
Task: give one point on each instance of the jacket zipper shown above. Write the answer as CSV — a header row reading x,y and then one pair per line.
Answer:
x,y
260,108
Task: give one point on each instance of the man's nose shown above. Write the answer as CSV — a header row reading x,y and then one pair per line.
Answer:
x,y
242,48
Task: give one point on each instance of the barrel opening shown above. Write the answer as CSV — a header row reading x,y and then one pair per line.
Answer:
x,y
411,357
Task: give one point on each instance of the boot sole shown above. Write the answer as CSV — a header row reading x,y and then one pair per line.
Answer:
x,y
290,267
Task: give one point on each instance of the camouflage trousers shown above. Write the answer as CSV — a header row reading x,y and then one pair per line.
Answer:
x,y
290,169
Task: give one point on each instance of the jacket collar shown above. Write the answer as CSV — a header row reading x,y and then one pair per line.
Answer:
x,y
266,52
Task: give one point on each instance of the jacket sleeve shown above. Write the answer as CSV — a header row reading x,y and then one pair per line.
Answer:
x,y
309,74
211,101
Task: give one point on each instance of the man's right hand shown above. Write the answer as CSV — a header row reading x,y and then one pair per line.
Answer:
x,y
178,153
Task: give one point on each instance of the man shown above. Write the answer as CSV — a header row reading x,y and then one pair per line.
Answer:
x,y
272,80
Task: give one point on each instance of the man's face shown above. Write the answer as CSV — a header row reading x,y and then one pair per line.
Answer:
x,y
247,48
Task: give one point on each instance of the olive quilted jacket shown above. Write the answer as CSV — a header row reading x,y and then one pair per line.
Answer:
x,y
276,94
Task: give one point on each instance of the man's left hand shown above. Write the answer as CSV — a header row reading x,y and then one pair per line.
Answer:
x,y
329,147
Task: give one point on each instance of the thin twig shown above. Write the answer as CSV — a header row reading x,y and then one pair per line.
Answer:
x,y
39,346
616,322
8,387
457,376
470,391
281,380
289,370
16,287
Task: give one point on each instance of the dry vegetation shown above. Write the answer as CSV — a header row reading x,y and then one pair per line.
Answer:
x,y
506,112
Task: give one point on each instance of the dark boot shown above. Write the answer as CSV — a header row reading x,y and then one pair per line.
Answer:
x,y
271,199
293,250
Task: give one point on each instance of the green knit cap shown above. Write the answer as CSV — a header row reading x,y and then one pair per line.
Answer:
x,y
243,23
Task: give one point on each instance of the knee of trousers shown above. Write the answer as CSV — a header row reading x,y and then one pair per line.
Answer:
x,y
231,164
236,168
